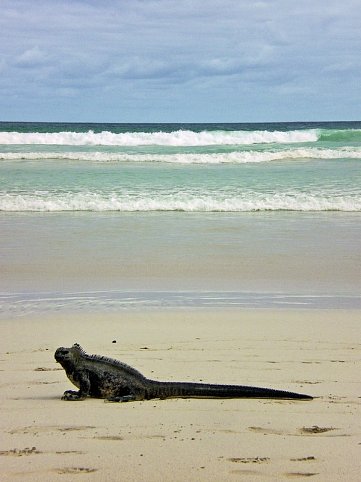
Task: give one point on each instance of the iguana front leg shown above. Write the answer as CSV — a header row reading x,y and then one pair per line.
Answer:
x,y
82,379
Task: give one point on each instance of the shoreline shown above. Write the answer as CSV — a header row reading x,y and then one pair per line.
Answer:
x,y
44,303
310,351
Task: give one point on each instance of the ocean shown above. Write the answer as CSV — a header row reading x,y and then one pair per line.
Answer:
x,y
123,216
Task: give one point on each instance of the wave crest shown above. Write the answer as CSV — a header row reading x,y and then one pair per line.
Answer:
x,y
235,157
188,202
341,135
175,138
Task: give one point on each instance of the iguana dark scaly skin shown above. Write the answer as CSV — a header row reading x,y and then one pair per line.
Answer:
x,y
101,377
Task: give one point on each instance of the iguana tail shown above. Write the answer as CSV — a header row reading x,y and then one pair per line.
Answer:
x,y
204,390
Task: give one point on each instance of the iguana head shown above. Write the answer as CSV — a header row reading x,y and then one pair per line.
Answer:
x,y
72,354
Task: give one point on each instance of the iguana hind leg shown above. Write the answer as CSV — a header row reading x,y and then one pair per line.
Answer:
x,y
124,398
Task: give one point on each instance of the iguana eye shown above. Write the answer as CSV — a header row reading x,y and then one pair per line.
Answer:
x,y
63,351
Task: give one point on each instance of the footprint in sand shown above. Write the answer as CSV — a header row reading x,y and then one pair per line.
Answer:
x,y
20,452
316,429
249,460
267,431
109,437
300,474
49,428
74,470
304,459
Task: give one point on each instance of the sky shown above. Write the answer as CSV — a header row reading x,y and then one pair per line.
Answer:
x,y
180,60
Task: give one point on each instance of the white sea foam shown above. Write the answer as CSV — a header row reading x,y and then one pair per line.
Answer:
x,y
235,157
189,202
22,304
175,138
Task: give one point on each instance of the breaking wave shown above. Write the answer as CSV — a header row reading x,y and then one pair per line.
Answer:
x,y
175,138
236,157
188,202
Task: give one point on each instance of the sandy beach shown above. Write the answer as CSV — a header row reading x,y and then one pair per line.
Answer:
x,y
309,351
180,190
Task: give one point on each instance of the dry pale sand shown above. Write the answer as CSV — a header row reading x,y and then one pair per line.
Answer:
x,y
315,352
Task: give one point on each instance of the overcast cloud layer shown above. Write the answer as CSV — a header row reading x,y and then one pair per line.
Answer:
x,y
186,61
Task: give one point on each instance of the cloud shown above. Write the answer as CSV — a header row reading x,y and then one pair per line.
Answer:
x,y
166,51
31,58
142,68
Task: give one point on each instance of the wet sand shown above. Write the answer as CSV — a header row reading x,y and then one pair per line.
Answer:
x,y
314,352
294,253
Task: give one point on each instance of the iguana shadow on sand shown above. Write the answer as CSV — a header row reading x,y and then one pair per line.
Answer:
x,y
101,377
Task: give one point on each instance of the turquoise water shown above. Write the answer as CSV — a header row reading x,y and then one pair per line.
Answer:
x,y
224,168
154,215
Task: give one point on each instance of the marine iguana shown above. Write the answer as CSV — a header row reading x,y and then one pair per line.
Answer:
x,y
102,377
